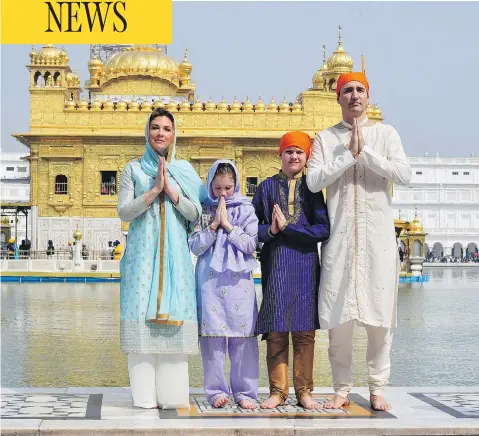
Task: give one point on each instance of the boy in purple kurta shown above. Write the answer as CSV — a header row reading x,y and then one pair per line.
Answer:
x,y
292,220
224,240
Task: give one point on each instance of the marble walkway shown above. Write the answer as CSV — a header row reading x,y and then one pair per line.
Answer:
x,y
108,411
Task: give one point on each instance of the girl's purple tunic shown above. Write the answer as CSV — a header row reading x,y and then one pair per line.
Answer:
x,y
225,294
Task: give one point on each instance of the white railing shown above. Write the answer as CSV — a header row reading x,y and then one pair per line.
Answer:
x,y
108,188
106,254
251,189
61,188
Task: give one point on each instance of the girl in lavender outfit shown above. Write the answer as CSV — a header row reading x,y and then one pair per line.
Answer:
x,y
224,240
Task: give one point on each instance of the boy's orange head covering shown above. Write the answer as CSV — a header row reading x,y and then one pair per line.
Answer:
x,y
295,139
350,77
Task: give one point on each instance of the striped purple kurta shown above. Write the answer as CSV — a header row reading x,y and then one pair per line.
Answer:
x,y
289,260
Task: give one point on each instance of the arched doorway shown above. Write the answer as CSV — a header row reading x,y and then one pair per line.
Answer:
x,y
438,250
471,249
457,250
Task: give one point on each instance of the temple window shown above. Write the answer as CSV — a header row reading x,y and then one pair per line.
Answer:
x,y
108,183
251,185
56,79
61,185
36,77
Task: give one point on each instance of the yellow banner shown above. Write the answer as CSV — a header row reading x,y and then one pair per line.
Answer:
x,y
87,22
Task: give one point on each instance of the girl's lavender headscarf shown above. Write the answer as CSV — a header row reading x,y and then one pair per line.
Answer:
x,y
236,198
240,214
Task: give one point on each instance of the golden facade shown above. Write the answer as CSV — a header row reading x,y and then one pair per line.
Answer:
x,y
76,143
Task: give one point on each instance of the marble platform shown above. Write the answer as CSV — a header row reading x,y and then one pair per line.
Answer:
x,y
108,411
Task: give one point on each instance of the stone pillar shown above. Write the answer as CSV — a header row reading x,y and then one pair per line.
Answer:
x,y
77,258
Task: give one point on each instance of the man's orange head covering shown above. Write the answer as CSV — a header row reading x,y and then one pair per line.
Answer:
x,y
350,77
295,139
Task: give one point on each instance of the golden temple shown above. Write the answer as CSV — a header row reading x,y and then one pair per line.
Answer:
x,y
78,147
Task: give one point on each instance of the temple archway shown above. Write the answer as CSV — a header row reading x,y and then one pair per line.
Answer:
x,y
438,249
457,250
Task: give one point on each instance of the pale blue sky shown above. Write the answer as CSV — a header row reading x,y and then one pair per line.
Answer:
x,y
421,59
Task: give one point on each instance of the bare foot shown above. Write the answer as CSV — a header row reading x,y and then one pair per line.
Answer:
x,y
220,402
337,402
378,402
308,403
272,402
247,404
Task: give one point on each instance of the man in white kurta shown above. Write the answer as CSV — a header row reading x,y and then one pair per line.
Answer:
x,y
354,160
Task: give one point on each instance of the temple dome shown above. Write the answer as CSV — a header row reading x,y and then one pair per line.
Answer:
x,y
49,52
340,61
142,60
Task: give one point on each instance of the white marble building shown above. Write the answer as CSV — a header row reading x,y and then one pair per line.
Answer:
x,y
15,188
445,192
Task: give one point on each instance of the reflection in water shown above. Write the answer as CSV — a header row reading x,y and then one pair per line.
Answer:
x,y
68,335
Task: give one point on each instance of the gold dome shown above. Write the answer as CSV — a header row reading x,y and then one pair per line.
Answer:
x,y
121,106
210,105
133,106
49,51
83,105
340,61
172,106
248,106
318,80
95,105
297,107
142,60
223,106
318,76
260,107
108,105
185,66
374,112
185,106
272,106
236,106
70,104
77,235
197,106
64,55
284,106
415,226
158,105
95,62
146,106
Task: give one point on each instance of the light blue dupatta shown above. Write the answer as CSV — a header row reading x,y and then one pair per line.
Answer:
x,y
171,296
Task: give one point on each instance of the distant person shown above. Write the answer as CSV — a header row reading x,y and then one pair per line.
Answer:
x,y
84,252
11,248
117,250
50,248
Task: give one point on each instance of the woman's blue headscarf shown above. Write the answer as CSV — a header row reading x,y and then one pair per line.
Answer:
x,y
166,302
181,170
